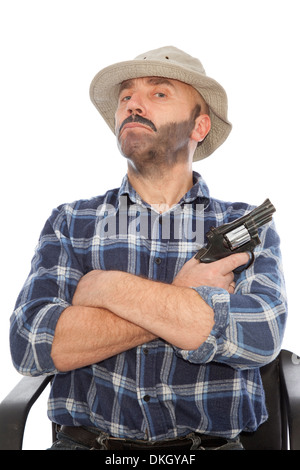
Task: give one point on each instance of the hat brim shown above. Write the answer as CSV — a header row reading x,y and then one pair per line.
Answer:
x,y
104,93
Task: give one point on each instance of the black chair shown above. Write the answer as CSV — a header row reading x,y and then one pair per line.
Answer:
x,y
281,380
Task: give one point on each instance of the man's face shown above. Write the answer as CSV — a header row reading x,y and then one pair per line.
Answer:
x,y
155,119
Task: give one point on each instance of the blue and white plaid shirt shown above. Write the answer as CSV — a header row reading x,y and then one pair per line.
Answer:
x,y
156,390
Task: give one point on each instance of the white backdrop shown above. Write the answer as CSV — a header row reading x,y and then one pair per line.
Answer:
x,y
55,148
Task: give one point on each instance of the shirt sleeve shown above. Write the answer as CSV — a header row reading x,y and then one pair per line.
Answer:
x,y
249,324
47,292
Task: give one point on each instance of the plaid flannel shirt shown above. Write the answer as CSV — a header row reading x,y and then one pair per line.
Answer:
x,y
154,391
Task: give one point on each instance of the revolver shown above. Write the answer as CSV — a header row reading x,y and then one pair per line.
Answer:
x,y
237,236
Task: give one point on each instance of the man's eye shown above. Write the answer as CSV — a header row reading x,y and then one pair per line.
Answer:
x,y
126,98
160,95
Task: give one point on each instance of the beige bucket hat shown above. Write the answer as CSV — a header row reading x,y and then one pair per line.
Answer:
x,y
168,62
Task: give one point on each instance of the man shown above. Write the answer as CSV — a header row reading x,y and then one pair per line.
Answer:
x,y
149,347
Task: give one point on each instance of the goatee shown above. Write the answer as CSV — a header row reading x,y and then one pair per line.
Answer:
x,y
153,153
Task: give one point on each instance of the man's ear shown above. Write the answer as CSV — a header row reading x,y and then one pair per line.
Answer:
x,y
202,127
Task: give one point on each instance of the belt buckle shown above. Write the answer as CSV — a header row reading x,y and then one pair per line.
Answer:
x,y
101,440
105,439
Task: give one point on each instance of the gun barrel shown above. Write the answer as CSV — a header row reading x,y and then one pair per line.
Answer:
x,y
261,215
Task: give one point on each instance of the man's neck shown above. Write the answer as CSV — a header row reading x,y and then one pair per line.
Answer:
x,y
166,189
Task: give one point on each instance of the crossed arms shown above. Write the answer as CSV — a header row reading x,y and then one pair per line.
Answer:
x,y
114,311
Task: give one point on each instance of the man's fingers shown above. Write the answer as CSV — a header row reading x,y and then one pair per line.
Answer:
x,y
232,262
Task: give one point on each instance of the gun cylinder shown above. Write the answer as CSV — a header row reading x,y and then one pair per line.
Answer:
x,y
237,237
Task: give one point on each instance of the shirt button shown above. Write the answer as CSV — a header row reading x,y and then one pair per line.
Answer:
x,y
157,260
146,398
145,351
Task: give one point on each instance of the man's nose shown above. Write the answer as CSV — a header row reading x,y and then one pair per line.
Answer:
x,y
136,105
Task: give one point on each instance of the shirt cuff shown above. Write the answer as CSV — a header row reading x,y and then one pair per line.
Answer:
x,y
219,300
44,334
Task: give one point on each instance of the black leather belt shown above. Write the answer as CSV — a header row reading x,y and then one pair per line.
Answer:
x,y
91,440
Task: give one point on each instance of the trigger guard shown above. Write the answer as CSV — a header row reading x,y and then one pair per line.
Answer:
x,y
241,269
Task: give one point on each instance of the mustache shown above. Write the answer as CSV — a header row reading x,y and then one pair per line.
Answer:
x,y
139,119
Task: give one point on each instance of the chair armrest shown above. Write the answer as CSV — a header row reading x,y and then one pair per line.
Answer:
x,y
14,410
290,384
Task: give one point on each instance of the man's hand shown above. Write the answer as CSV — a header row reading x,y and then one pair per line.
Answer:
x,y
216,274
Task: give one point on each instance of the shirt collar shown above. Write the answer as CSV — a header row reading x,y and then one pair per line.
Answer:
x,y
199,191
